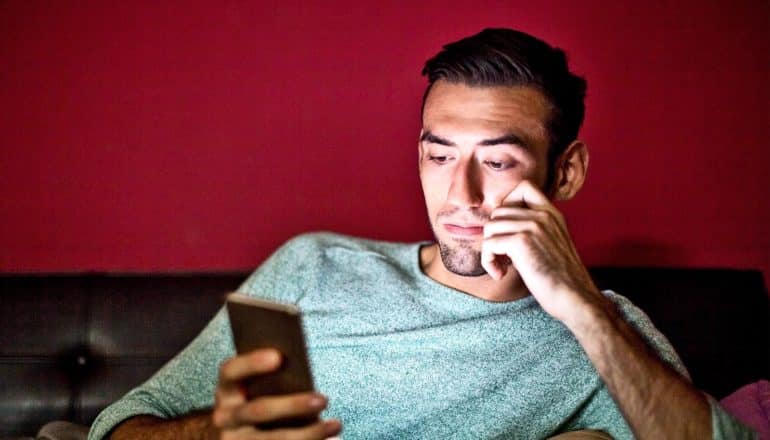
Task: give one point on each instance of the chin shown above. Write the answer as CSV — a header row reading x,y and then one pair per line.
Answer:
x,y
461,258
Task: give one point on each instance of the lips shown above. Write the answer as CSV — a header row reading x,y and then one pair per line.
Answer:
x,y
464,230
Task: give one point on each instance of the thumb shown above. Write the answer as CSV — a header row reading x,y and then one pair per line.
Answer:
x,y
494,261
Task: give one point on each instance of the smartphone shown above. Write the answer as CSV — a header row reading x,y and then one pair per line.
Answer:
x,y
260,323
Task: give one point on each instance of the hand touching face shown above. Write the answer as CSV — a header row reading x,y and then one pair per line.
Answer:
x,y
476,145
528,234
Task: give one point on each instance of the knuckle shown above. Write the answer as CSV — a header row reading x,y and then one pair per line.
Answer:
x,y
220,397
225,370
259,410
521,240
219,418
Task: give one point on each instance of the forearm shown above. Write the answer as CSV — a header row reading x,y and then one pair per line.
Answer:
x,y
655,400
196,426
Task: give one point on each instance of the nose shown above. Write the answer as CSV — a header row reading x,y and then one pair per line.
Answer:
x,y
465,190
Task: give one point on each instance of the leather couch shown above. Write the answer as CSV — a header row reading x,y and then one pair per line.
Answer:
x,y
71,344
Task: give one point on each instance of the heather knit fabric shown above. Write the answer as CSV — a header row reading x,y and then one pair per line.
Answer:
x,y
401,356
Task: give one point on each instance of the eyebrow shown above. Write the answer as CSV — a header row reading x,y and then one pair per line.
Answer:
x,y
508,139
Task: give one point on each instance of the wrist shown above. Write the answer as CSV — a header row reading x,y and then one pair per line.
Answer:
x,y
202,426
592,312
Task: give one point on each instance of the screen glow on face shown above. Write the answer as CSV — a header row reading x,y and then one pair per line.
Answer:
x,y
476,145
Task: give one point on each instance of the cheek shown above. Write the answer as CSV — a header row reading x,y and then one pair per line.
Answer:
x,y
431,192
434,191
535,174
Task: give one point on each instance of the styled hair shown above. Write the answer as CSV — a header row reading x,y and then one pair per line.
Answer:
x,y
505,57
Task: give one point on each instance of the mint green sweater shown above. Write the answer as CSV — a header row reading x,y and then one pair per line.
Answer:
x,y
401,356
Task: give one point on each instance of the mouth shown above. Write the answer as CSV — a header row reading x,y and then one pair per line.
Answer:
x,y
464,230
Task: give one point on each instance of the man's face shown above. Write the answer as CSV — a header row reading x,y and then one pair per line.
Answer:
x,y
476,145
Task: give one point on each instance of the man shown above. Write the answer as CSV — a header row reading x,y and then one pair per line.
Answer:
x,y
495,330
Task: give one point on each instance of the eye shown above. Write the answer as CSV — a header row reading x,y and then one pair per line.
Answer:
x,y
439,159
498,165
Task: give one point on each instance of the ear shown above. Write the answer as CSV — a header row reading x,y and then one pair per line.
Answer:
x,y
571,168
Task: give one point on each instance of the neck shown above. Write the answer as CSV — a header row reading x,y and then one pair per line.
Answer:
x,y
509,288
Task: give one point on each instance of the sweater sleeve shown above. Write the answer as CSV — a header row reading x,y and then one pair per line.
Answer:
x,y
594,414
723,425
649,333
726,427
187,382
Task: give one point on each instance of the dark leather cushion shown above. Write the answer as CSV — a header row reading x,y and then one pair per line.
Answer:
x,y
70,345
141,317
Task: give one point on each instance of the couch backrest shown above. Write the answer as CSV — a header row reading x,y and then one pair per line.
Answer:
x,y
717,319
70,345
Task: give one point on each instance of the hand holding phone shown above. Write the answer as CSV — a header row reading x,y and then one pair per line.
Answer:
x,y
267,387
256,324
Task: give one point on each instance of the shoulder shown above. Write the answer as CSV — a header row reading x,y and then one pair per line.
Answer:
x,y
632,314
629,309
305,245
645,327
322,242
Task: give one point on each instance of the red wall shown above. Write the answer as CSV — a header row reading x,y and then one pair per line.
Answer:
x,y
157,136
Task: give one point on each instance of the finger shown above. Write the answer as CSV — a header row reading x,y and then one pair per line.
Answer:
x,y
491,263
237,368
527,194
497,252
510,212
228,399
272,408
496,266
510,220
506,244
512,206
316,431
508,226
514,212
244,432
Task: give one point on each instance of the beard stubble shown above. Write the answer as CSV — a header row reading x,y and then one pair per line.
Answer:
x,y
458,255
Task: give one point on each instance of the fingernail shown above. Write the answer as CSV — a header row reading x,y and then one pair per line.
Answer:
x,y
332,426
317,401
272,357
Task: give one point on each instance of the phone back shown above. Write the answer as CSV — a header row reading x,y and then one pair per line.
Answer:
x,y
265,324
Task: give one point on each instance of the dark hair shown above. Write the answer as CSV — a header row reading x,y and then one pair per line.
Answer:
x,y
505,57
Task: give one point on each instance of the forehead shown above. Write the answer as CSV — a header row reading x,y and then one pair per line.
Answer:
x,y
454,109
